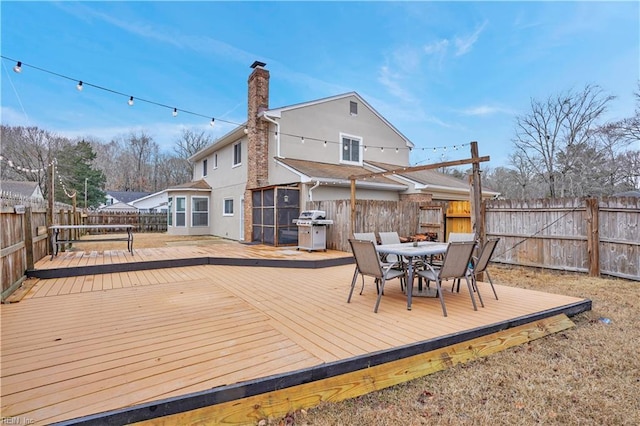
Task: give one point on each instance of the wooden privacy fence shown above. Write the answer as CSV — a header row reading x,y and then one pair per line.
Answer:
x,y
371,216
24,240
583,235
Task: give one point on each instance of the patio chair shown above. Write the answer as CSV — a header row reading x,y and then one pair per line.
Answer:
x,y
455,237
390,238
480,263
367,236
455,265
368,263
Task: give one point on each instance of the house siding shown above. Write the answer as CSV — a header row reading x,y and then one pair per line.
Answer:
x,y
327,121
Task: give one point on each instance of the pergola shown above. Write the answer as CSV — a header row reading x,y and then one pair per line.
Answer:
x,y
477,221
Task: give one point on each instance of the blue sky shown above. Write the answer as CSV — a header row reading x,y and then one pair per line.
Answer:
x,y
444,73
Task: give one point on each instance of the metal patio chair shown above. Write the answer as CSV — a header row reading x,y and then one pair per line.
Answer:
x,y
480,263
455,265
368,264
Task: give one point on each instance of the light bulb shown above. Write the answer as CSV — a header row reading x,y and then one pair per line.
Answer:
x,y
175,112
302,139
130,101
18,67
212,121
79,86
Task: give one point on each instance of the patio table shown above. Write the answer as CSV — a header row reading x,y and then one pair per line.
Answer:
x,y
57,241
412,251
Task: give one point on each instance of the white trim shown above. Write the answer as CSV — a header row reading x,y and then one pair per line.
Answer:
x,y
175,222
224,207
360,148
193,211
233,155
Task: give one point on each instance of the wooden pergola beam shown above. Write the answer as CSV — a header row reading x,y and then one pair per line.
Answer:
x,y
425,167
475,160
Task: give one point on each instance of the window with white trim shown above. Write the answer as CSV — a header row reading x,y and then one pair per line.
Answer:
x,y
237,154
215,161
199,211
351,149
170,212
353,108
204,167
228,207
181,211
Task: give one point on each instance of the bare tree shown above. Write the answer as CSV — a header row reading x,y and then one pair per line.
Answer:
x,y
556,126
189,143
31,151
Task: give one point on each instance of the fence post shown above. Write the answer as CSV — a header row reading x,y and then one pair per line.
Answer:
x,y
593,236
28,237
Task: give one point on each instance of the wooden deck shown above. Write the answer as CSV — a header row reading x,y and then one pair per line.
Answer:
x,y
216,343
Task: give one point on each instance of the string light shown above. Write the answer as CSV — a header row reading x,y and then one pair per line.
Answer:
x,y
18,69
81,83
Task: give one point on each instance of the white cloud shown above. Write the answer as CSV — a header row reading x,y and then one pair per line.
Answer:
x,y
391,81
11,117
484,110
465,44
437,47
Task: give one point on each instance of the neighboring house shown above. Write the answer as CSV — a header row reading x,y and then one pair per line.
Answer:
x,y
22,189
152,203
113,197
263,172
119,207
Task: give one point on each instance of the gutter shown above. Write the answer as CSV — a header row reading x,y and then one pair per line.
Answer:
x,y
312,188
271,120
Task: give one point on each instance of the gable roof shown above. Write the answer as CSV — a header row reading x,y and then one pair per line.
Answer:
x,y
432,180
195,185
276,112
310,171
127,196
23,188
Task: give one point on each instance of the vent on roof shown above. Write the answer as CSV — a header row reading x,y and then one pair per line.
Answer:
x,y
353,108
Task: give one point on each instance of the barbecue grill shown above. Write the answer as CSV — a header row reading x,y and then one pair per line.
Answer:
x,y
312,230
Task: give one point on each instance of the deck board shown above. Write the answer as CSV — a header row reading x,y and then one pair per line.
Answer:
x,y
82,345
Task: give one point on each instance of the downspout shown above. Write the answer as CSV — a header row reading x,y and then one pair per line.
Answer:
x,y
312,188
271,120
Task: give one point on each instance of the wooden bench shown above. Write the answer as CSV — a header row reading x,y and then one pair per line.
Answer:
x,y
57,240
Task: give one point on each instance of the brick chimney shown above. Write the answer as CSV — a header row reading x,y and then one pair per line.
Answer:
x,y
257,141
258,136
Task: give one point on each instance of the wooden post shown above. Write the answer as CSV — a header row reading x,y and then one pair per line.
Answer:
x,y
28,237
476,196
477,218
353,206
593,236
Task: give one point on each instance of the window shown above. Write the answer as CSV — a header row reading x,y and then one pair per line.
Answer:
x,y
353,108
181,211
228,207
170,212
350,149
215,161
199,211
204,167
237,154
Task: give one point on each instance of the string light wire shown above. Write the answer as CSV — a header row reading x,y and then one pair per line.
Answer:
x,y
82,83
